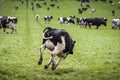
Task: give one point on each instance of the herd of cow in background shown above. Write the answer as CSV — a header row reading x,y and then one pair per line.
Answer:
x,y
11,22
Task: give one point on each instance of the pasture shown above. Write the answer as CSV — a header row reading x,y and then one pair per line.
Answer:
x,y
96,52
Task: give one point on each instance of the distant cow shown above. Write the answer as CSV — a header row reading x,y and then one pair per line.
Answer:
x,y
8,22
116,23
16,7
37,17
88,6
59,42
113,13
38,5
93,10
84,9
96,21
66,20
47,18
81,21
52,5
80,11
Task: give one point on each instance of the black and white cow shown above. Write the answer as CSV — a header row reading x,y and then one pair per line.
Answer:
x,y
96,21
8,22
93,10
81,21
116,23
47,18
59,42
66,20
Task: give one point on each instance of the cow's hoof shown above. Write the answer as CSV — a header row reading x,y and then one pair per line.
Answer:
x,y
39,62
53,68
46,66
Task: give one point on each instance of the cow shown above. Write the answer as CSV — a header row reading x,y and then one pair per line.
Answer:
x,y
59,42
96,21
116,23
88,6
8,22
66,20
52,5
84,9
16,7
113,12
38,5
37,17
47,18
93,10
81,21
80,11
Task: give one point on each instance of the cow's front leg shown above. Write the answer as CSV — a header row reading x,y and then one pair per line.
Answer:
x,y
58,62
41,58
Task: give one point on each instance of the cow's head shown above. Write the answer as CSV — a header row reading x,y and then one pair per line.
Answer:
x,y
51,17
104,21
71,21
12,19
46,33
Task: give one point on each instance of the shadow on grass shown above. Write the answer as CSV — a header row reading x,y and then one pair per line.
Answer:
x,y
60,71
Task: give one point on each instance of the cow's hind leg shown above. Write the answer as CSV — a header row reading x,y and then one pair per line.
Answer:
x,y
12,31
58,62
50,61
53,54
41,58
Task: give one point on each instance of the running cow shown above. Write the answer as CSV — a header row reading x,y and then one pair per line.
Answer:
x,y
60,44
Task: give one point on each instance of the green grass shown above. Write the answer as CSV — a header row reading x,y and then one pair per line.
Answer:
x,y
96,53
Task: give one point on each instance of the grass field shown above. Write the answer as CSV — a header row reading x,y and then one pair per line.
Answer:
x,y
96,53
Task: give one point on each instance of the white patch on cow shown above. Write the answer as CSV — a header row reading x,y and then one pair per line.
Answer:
x,y
56,49
60,20
11,25
49,45
60,47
